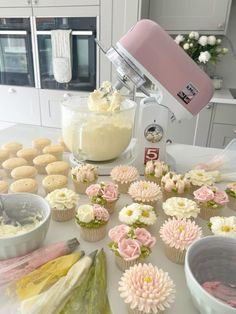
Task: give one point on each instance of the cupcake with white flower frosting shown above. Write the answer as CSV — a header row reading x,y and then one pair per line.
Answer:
x,y
174,184
123,176
200,177
231,191
63,203
178,235
155,170
92,220
181,208
146,289
138,215
223,226
83,176
146,192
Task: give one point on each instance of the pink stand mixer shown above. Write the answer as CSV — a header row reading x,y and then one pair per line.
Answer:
x,y
147,51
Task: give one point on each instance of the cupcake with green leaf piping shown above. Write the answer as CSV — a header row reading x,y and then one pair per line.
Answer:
x,y
231,191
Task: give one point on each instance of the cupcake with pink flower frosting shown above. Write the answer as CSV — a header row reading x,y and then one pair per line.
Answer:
x,y
174,184
146,289
231,191
105,194
130,245
83,176
155,170
146,192
211,201
92,220
177,235
123,176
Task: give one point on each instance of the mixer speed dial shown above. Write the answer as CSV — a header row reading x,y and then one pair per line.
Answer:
x,y
153,133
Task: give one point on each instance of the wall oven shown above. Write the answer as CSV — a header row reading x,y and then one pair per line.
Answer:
x,y
16,60
83,52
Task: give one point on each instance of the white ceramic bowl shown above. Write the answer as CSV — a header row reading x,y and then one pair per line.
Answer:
x,y
21,244
212,258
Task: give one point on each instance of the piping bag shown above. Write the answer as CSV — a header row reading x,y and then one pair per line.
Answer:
x,y
223,165
17,267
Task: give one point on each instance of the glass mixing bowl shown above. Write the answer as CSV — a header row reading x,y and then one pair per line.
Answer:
x,y
96,136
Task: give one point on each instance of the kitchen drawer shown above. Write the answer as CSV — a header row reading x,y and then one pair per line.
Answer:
x,y
225,113
19,104
222,134
63,3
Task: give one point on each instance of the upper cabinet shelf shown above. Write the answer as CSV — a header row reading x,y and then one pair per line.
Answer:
x,y
205,16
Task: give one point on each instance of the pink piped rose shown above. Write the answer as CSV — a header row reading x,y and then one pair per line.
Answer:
x,y
100,213
118,232
221,198
144,237
203,194
93,190
110,192
129,249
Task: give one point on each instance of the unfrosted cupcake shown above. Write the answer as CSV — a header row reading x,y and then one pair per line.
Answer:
x,y
40,143
28,154
104,194
231,191
178,235
83,176
24,185
63,203
24,172
174,184
12,148
223,226
155,170
4,155
56,150
123,176
200,177
54,182
58,167
12,163
146,192
41,162
130,245
146,289
210,200
3,186
181,207
138,215
92,220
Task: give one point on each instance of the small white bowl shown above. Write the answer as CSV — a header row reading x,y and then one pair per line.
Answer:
x,y
212,258
21,244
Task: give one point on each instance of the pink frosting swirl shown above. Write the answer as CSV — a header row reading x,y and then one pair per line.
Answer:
x,y
146,288
221,197
93,190
173,182
144,237
129,249
145,191
180,233
100,213
110,192
84,173
124,174
203,194
118,232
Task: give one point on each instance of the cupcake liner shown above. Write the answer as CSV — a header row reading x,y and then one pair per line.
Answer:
x,y
157,205
136,311
123,265
63,172
63,214
207,212
41,169
167,195
93,235
175,255
52,188
110,207
232,203
123,187
58,156
80,187
153,179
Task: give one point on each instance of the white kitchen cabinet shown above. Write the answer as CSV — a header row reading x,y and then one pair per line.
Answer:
x,y
14,3
222,134
207,16
64,3
20,104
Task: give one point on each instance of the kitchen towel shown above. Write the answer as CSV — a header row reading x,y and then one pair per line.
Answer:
x,y
61,55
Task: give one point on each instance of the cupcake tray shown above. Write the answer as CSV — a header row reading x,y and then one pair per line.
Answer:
x,y
66,230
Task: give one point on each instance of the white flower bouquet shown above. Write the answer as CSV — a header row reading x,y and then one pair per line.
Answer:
x,y
202,49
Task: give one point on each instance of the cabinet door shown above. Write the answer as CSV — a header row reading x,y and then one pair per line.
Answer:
x,y
63,3
50,104
186,15
14,3
182,132
20,105
222,134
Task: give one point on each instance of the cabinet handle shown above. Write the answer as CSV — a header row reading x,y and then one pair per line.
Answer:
x,y
208,107
234,131
66,95
169,141
35,2
11,90
28,2
220,25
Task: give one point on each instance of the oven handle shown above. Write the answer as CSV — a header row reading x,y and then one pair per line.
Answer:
x,y
74,33
9,32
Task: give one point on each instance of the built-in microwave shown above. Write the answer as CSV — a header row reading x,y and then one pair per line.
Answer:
x,y
83,32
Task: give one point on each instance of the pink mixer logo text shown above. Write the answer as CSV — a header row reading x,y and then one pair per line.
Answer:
x,y
188,93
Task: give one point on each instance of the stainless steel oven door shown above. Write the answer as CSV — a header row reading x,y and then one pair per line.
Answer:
x,y
83,52
16,63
